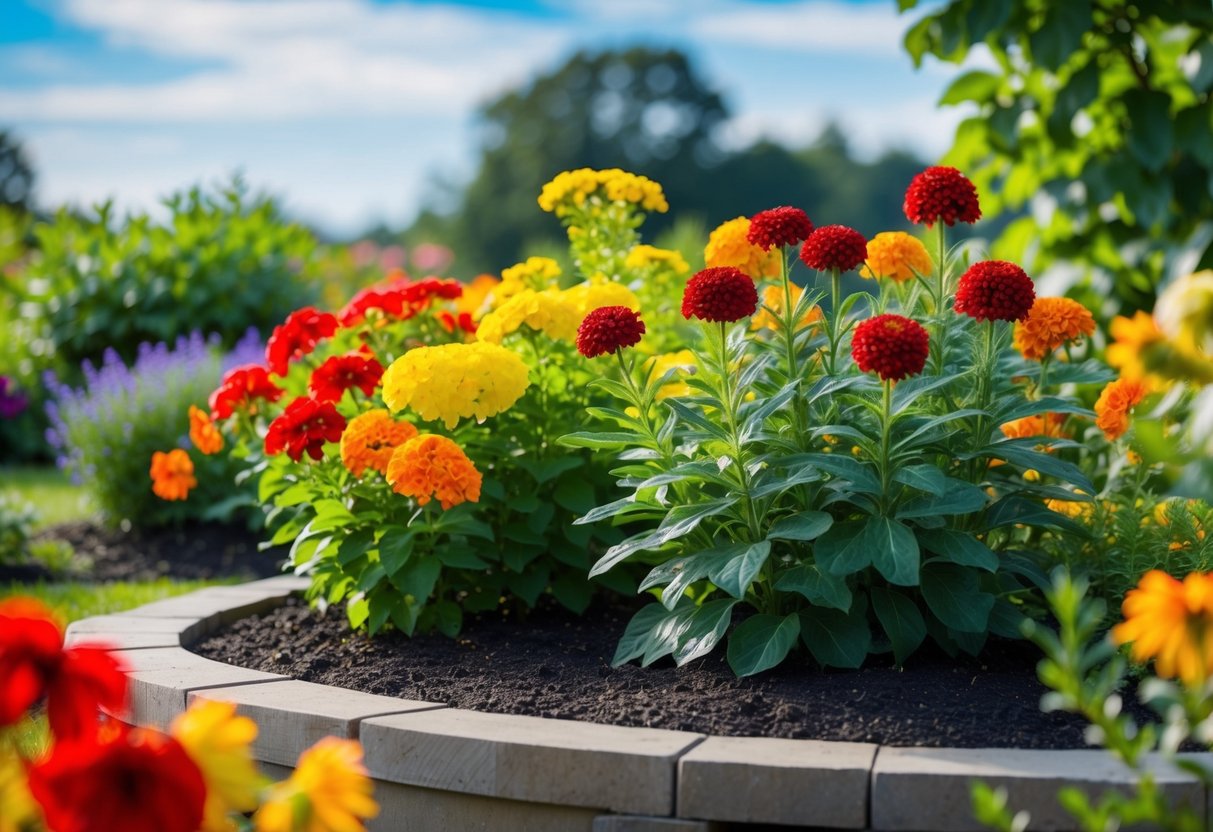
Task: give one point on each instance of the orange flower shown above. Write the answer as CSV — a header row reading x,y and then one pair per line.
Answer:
x,y
895,255
203,433
728,245
1048,424
1051,323
369,440
1114,403
433,466
772,299
172,474
1171,623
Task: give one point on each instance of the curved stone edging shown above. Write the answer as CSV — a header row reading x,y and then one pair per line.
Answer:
x,y
446,768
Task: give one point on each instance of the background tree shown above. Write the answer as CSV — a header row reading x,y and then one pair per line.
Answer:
x,y
16,174
1097,114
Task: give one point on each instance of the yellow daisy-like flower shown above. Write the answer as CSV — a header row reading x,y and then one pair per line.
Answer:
x,y
728,246
1172,623
571,189
586,297
218,741
895,255
454,381
1052,323
18,809
767,316
429,466
329,791
643,256
548,312
370,438
1115,402
1132,337
683,361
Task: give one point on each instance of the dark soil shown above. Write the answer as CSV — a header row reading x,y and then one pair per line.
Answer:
x,y
558,665
194,551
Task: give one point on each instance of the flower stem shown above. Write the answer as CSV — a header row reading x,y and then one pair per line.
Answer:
x,y
940,342
788,323
835,318
731,404
886,431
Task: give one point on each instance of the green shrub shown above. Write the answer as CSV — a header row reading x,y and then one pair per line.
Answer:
x,y
17,519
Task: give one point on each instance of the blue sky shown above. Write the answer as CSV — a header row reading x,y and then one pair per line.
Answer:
x,y
350,109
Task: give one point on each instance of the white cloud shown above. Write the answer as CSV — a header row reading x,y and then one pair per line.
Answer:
x,y
810,25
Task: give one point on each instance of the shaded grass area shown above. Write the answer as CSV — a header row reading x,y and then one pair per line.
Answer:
x,y
52,493
73,600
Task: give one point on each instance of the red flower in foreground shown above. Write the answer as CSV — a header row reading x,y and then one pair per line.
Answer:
x,y
134,780
782,226
941,193
461,321
607,329
399,298
304,426
995,290
76,682
240,388
720,294
834,247
891,346
296,337
341,372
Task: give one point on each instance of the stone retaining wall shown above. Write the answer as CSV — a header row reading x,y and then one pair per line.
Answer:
x,y
440,768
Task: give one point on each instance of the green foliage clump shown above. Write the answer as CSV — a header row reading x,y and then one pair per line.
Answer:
x,y
17,521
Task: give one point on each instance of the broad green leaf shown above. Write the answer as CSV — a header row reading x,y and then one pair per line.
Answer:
x,y
902,621
544,470
821,588
972,86
862,475
705,629
597,440
1151,132
634,641
680,521
836,639
960,498
354,546
807,525
959,547
894,550
1012,510
668,633
417,579
954,596
1022,454
573,591
736,574
1060,33
575,493
842,551
924,477
1006,620
761,642
679,573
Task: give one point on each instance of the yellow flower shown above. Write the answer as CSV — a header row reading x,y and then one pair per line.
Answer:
x,y
683,361
218,741
642,256
370,438
1132,337
1114,404
895,255
586,297
329,791
1075,509
1184,311
18,809
772,300
570,190
1171,623
433,466
547,312
1051,323
454,381
476,294
728,246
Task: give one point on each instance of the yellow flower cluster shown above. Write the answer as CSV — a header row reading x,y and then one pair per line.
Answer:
x,y
586,297
1052,323
370,438
728,246
454,381
644,256
896,255
535,273
548,312
571,189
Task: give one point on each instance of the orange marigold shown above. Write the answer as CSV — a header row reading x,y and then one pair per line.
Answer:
x,y
1132,337
429,466
771,309
172,474
1047,424
369,440
728,245
1051,323
1172,623
1114,403
895,255
203,433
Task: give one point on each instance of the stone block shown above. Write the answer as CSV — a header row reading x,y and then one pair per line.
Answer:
x,y
408,808
641,823
217,605
128,631
778,781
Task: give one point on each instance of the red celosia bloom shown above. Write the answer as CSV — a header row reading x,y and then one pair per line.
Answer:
x,y
304,426
891,346
341,372
941,193
296,337
607,329
834,247
76,682
399,298
720,294
134,780
995,290
241,387
782,226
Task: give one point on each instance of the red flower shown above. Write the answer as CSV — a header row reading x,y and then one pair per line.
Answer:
x,y
609,328
452,322
240,387
782,226
399,298
834,247
995,290
296,337
76,682
721,294
341,372
891,346
305,425
940,193
134,780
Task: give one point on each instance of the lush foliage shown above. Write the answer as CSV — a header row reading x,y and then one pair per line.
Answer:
x,y
1099,115
98,774
105,431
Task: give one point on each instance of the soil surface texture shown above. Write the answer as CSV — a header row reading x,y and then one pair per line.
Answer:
x,y
193,551
556,664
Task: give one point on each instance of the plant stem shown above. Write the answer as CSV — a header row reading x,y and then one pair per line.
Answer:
x,y
730,404
941,340
835,318
886,430
788,323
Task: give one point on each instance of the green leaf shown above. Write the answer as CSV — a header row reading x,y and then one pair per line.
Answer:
x,y
680,521
820,588
862,475
634,641
1022,454
705,629
924,477
834,638
954,596
354,546
1060,33
357,611
761,642
530,583
573,591
395,547
1151,131
544,470
597,440
1012,510
972,86
959,547
736,574
894,550
807,525
841,551
448,617
902,621
960,498
574,492
1006,620
417,579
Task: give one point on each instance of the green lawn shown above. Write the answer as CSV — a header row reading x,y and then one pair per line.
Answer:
x,y
73,600
50,491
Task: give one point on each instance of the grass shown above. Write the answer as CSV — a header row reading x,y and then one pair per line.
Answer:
x,y
53,495
73,600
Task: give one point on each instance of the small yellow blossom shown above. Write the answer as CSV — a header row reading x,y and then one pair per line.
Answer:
x,y
642,257
570,190
548,312
586,297
329,791
218,741
454,381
